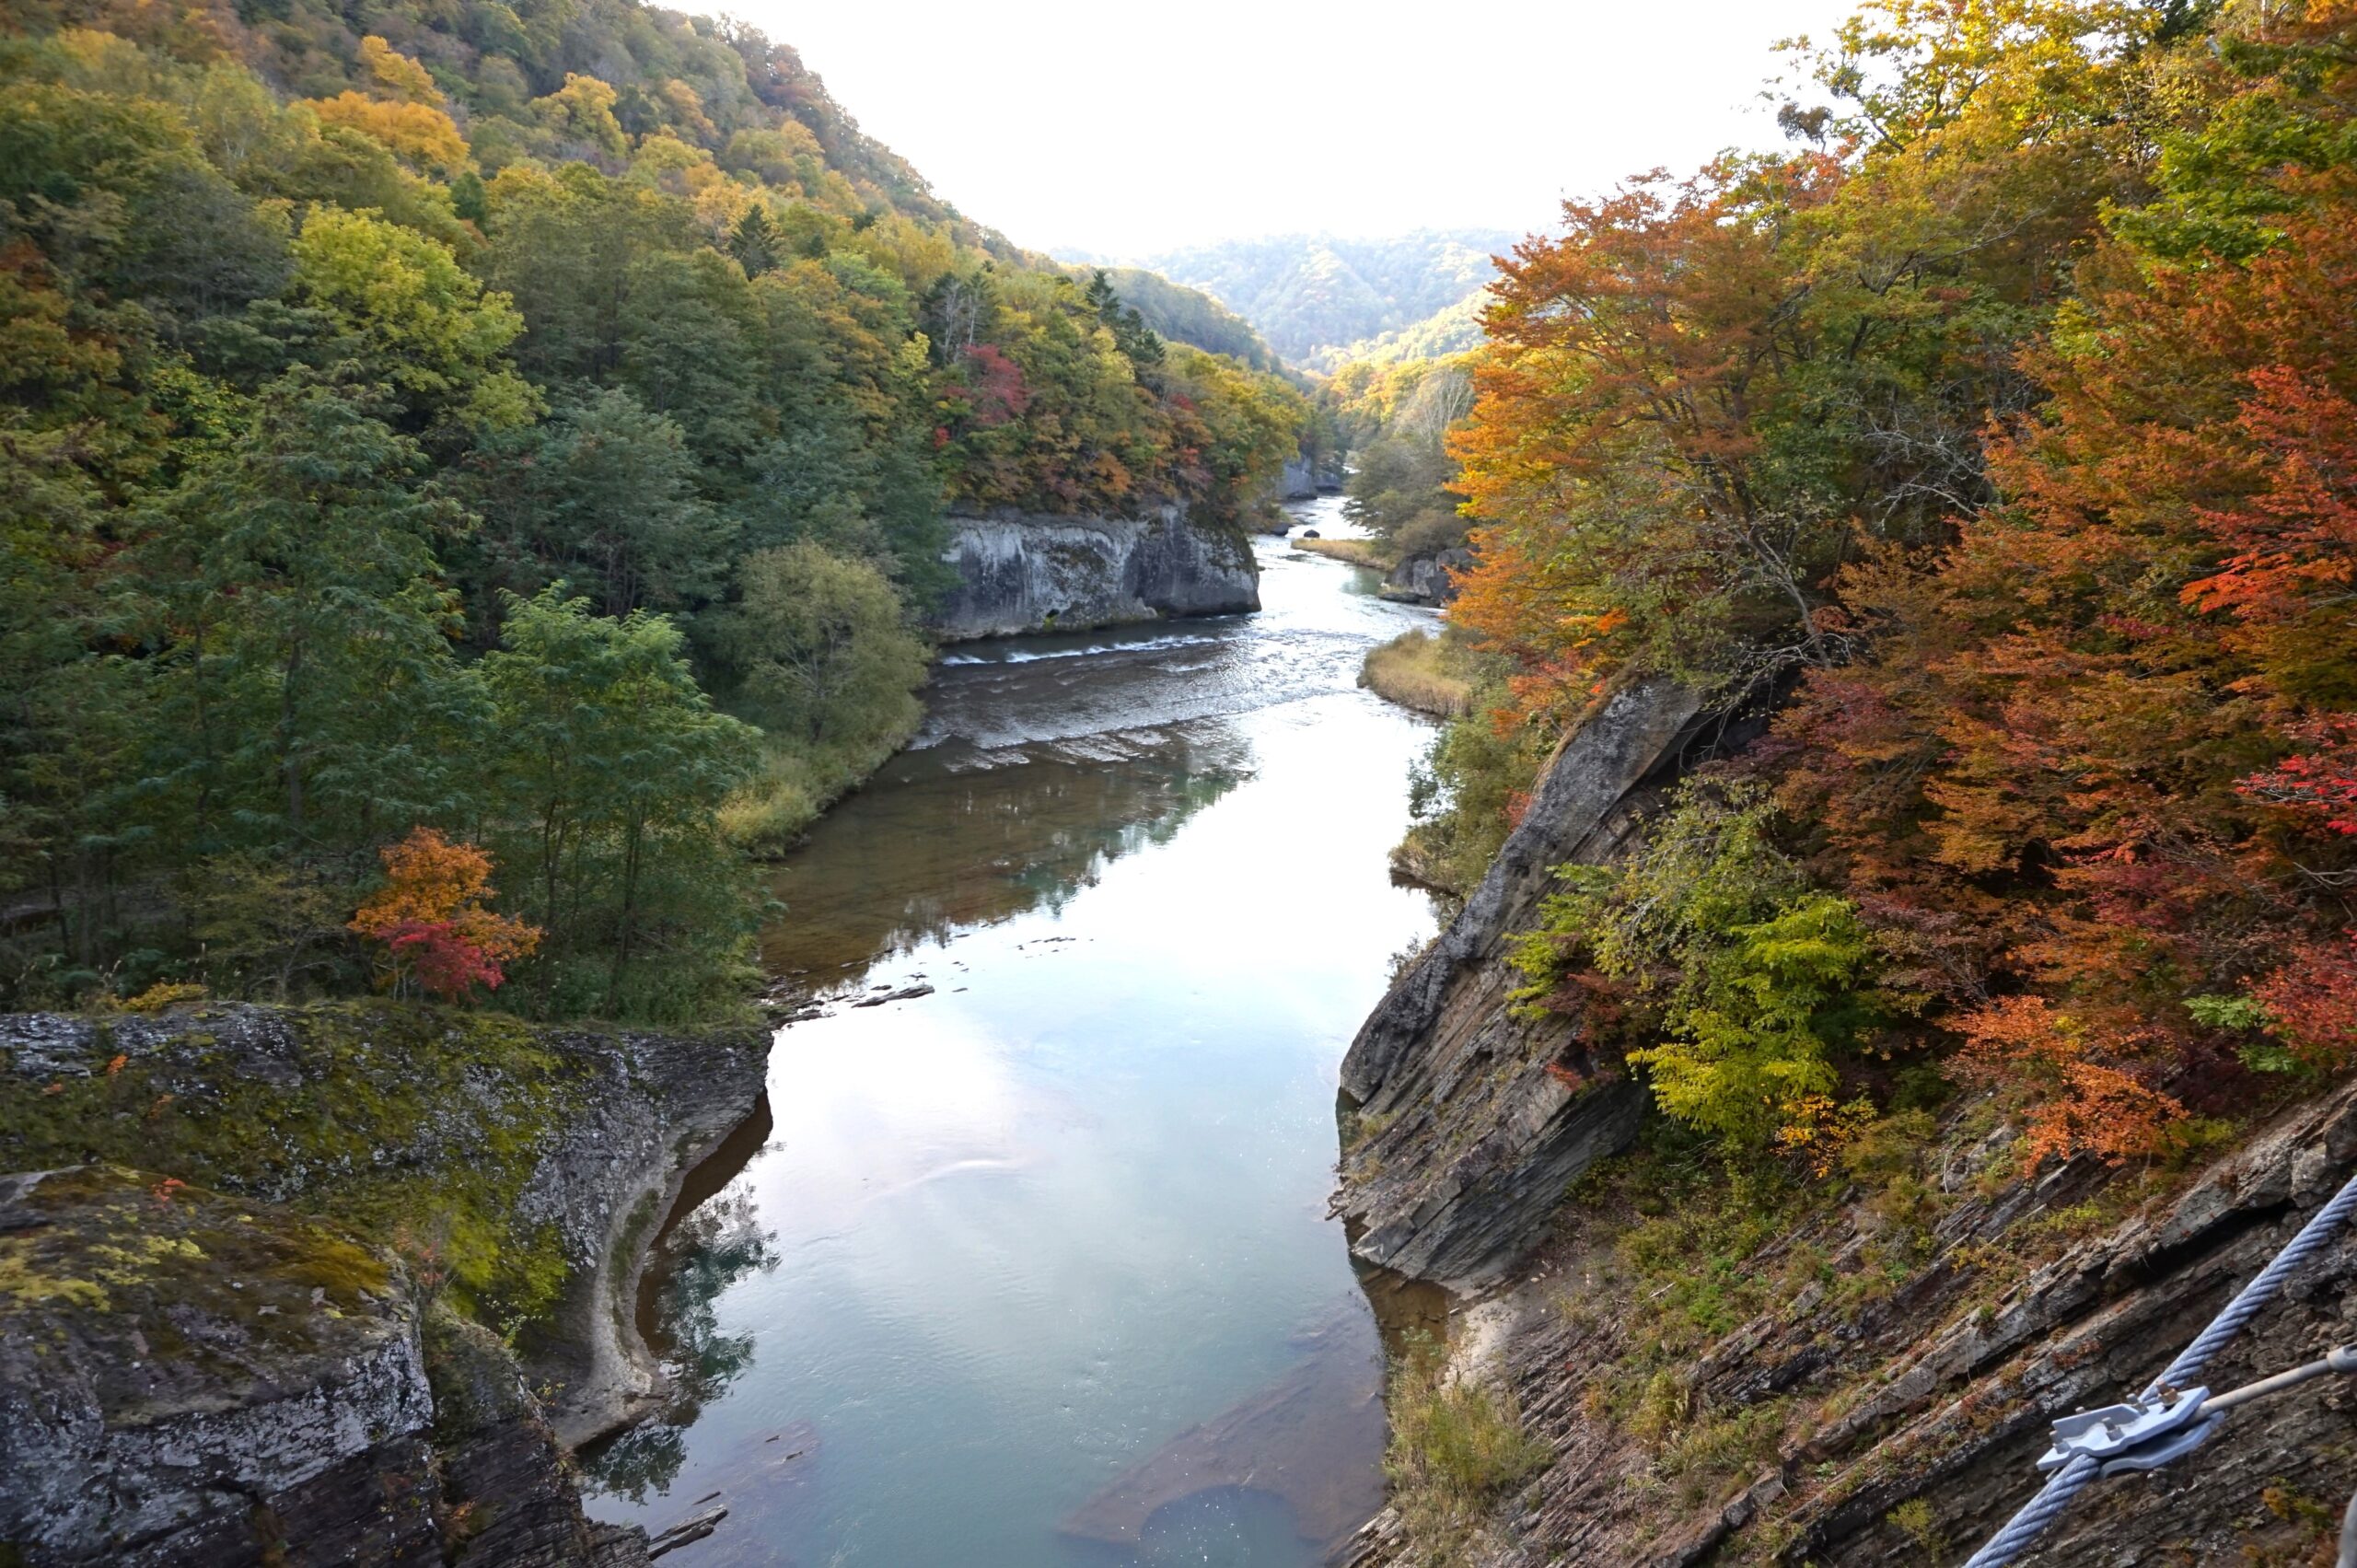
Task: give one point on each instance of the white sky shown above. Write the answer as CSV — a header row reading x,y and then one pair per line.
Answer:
x,y
1126,129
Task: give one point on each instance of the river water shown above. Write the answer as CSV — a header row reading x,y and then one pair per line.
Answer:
x,y
1033,1270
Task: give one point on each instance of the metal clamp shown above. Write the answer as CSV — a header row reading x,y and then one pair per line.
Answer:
x,y
2135,1436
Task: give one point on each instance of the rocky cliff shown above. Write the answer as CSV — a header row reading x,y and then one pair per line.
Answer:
x,y
516,1170
1024,572
1424,579
1855,1371
1872,1383
1305,477
188,1377
1469,1122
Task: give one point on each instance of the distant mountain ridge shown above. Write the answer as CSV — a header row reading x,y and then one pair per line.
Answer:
x,y
1320,300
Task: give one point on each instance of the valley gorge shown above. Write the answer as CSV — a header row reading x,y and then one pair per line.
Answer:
x,y
700,864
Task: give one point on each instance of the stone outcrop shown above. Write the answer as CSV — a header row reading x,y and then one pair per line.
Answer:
x,y
192,1378
185,1378
1423,579
569,1144
1027,572
652,1107
1904,1420
510,1497
1471,1122
1304,478
1869,1380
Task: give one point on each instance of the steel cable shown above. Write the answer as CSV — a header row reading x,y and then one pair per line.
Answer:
x,y
2067,1482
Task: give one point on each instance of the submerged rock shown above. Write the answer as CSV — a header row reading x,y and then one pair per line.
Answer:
x,y
1027,572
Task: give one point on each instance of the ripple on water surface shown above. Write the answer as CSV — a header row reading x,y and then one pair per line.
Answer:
x,y
1034,1269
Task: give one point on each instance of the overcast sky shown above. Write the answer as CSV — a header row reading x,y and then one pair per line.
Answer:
x,y
1127,128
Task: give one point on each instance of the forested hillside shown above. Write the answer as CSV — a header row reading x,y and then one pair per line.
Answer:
x,y
1999,434
1186,315
492,455
1982,468
1321,301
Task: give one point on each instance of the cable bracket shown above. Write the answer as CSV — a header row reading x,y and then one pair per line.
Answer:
x,y
2135,1436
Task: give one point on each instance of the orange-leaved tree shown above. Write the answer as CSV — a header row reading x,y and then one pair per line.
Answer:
x,y
431,919
2124,704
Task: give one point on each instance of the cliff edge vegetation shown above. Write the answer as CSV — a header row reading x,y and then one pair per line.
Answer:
x,y
1980,466
2054,797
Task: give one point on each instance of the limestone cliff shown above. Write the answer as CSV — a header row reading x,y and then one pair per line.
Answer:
x,y
1424,579
1305,477
1028,571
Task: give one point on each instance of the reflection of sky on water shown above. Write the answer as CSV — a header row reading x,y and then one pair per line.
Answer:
x,y
1029,1228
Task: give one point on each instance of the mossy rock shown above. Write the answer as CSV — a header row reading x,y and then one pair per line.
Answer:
x,y
418,1126
182,1370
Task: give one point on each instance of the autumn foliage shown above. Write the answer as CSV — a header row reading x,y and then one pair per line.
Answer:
x,y
2041,534
431,919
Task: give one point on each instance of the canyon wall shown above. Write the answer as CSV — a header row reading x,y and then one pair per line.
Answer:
x,y
1470,1121
1855,1371
1029,572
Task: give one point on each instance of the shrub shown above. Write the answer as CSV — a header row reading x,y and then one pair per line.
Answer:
x,y
1752,980
1418,670
1457,1443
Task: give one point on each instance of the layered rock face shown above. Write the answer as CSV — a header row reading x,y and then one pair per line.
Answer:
x,y
188,1378
1024,572
1466,1137
1880,1371
1905,1430
284,1121
174,1365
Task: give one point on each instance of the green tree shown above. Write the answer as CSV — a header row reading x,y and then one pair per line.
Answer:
x,y
311,698
604,494
610,768
820,648
413,317
688,330
755,241
1751,982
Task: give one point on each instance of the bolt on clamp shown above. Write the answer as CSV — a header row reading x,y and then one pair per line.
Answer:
x,y
2135,1436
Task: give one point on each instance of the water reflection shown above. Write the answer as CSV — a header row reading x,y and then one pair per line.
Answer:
x,y
953,837
716,1245
1044,1274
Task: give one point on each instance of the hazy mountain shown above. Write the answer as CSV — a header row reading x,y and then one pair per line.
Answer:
x,y
1319,300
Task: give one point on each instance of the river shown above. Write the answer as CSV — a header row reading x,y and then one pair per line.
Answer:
x,y
1032,1269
